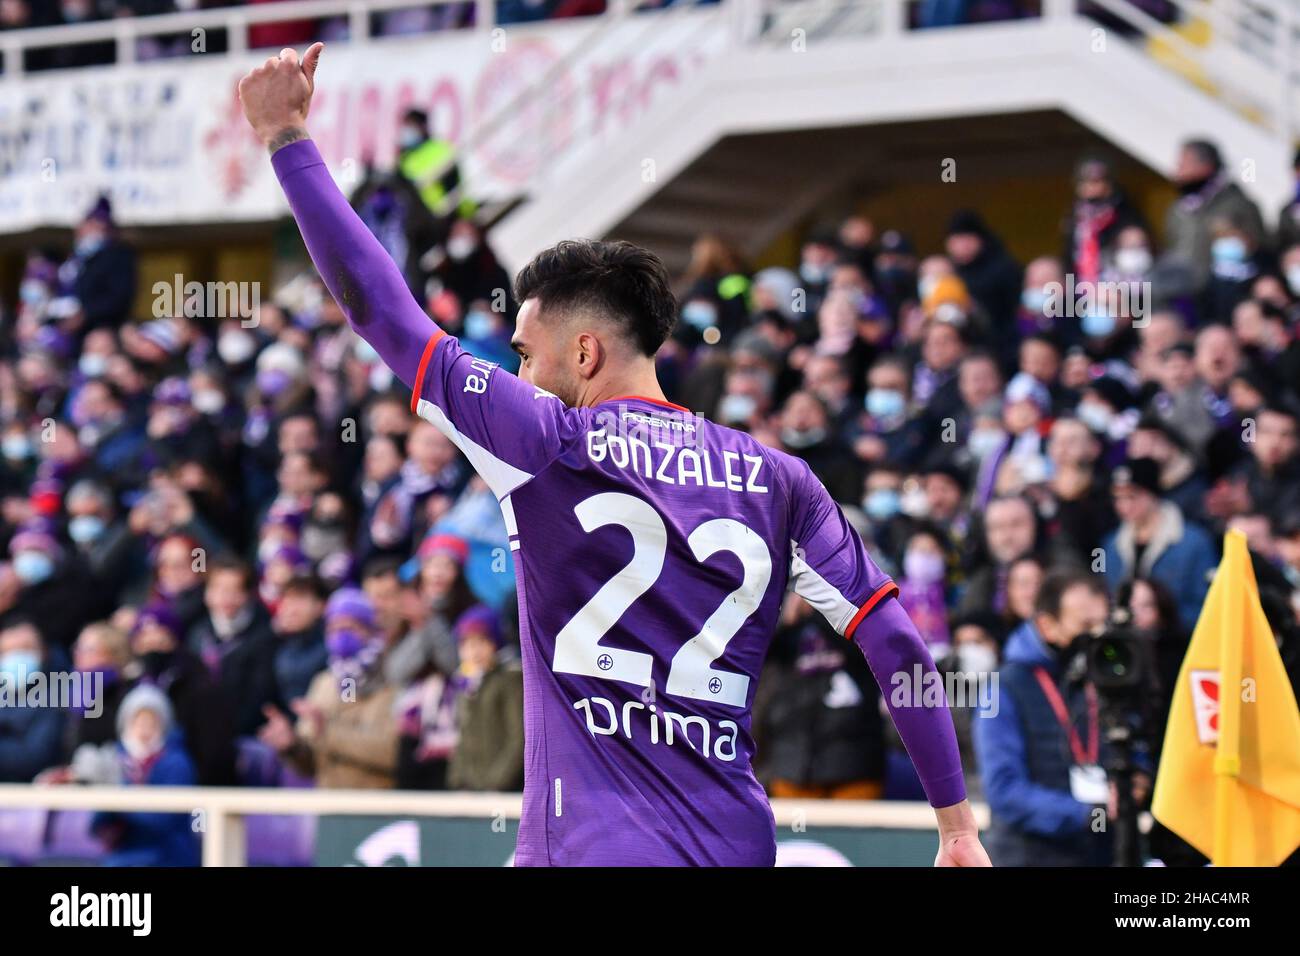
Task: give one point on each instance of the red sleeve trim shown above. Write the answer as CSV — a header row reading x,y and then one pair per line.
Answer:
x,y
418,385
888,589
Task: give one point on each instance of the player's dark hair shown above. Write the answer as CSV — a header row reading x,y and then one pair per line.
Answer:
x,y
618,280
1058,583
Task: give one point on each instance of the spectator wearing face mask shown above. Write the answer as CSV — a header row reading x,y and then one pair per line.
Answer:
x,y
888,430
101,272
49,586
1131,261
197,702
976,645
151,754
428,164
1155,540
469,269
31,737
17,459
806,434
489,692
922,589
1106,407
346,732
1237,259
1207,194
1020,461
718,290
100,538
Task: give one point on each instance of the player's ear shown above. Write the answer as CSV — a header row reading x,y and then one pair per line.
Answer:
x,y
590,354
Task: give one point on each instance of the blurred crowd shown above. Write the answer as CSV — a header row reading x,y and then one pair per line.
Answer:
x,y
26,14
284,578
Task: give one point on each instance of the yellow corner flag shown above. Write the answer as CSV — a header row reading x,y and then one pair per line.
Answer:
x,y
1229,779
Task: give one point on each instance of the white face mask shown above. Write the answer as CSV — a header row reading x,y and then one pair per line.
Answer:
x,y
976,658
1133,261
915,504
460,247
1096,417
236,347
209,401
984,442
141,749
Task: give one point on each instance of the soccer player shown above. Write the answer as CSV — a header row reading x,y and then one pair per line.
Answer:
x,y
652,548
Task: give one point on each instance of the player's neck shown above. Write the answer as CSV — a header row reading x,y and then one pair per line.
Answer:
x,y
641,382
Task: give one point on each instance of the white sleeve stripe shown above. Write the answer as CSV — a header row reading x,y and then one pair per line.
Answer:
x,y
820,593
508,513
502,477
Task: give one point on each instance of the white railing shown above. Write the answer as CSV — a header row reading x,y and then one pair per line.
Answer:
x,y
223,809
124,32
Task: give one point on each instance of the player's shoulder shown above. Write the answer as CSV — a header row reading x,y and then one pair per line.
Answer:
x,y
789,473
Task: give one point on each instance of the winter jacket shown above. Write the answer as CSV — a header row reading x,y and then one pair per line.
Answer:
x,y
1024,758
490,754
1180,555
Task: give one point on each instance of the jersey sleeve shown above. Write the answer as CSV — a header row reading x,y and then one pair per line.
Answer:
x,y
509,430
831,570
829,565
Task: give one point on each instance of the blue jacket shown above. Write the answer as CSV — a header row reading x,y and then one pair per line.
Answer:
x,y
1024,759
1182,556
31,740
156,839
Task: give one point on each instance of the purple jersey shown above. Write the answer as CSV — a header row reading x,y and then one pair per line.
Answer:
x,y
652,552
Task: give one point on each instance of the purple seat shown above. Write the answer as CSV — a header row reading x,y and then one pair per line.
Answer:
x,y
280,840
71,841
22,835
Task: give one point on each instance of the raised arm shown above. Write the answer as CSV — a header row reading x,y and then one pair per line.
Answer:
x,y
367,284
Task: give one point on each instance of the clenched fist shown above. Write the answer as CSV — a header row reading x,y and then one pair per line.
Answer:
x,y
277,95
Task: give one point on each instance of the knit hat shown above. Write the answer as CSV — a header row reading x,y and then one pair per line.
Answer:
x,y
1141,473
163,333
172,391
158,614
144,697
949,300
480,620
1112,391
449,544
351,603
1023,387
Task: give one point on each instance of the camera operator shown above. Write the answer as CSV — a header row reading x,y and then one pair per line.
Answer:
x,y
1040,743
